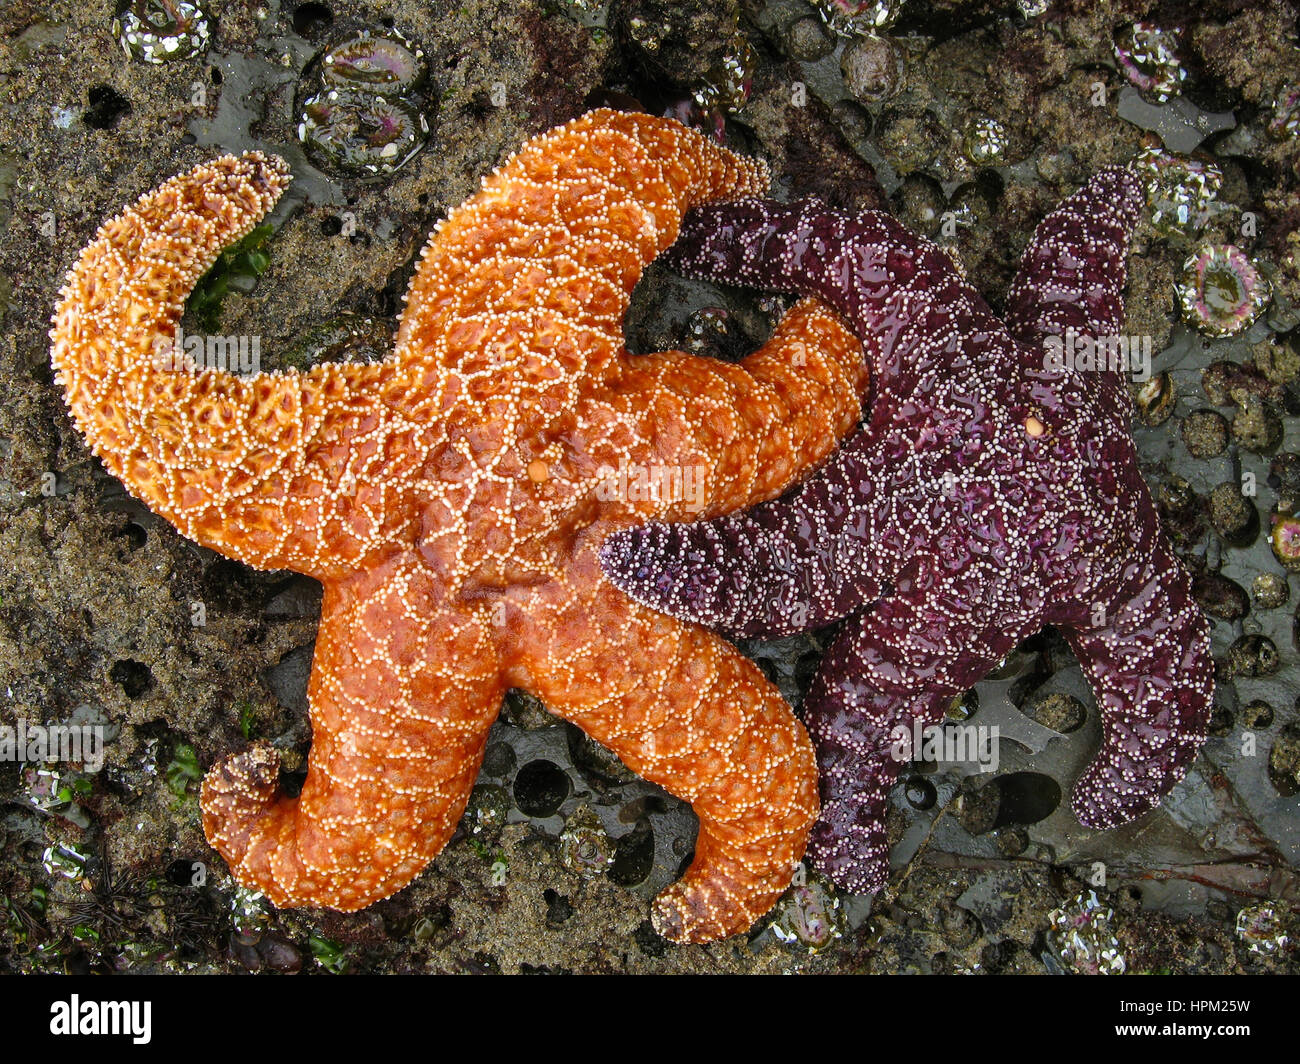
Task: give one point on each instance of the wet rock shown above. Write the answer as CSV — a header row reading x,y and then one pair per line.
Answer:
x,y
540,788
961,926
911,140
920,793
312,19
978,809
1205,433
1221,722
649,941
558,908
678,42
1255,426
872,69
973,206
921,203
1011,841
499,760
1227,384
1277,362
1016,798
258,952
1284,479
1150,278
1284,762
106,107
1220,597
1058,711
853,119
1233,516
1269,591
808,40
1253,655
1256,714
1182,512
345,337
595,760
525,710
1009,958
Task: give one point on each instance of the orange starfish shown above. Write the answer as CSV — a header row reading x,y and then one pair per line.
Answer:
x,y
451,498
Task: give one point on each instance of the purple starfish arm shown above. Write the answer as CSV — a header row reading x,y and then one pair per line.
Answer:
x,y
735,574
1072,273
996,491
1152,671
896,670
781,568
897,290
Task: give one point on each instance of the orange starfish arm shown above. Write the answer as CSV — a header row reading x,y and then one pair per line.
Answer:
x,y
263,468
529,280
683,709
402,696
739,434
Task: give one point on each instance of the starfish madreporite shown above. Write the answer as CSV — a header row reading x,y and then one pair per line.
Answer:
x,y
451,499
993,489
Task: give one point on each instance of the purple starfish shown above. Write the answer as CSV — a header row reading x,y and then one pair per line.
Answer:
x,y
993,490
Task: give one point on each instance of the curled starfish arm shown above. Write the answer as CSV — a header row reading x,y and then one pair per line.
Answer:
x,y
896,670
683,709
530,278
402,697
742,433
896,290
1152,672
1073,271
790,565
255,467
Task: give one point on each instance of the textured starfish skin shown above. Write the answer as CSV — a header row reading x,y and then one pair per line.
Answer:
x,y
451,500
988,494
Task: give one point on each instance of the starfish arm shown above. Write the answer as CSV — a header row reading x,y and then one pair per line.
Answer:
x,y
896,670
1073,271
786,566
256,467
529,280
899,292
685,710
1152,672
402,696
740,433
